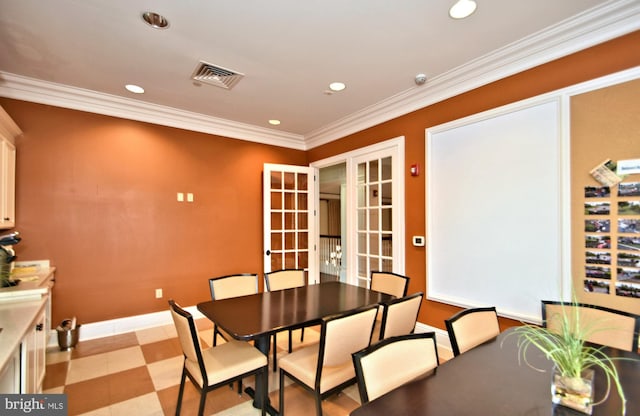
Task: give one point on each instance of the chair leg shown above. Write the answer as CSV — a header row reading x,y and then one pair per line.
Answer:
x,y
301,334
215,334
318,404
203,398
275,348
290,344
240,387
181,391
281,393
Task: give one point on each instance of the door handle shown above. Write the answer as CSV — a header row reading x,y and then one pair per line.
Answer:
x,y
268,252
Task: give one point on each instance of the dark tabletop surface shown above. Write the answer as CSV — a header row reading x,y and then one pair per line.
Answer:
x,y
490,381
248,317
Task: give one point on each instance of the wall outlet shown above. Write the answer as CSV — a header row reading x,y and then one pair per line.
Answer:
x,y
158,293
180,197
189,197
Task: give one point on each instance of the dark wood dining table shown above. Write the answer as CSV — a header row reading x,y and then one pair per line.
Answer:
x,y
490,380
257,317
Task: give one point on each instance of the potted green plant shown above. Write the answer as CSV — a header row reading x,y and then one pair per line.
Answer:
x,y
574,360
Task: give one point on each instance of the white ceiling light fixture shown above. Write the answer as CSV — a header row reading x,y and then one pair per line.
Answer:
x,y
136,89
274,122
337,86
155,20
462,9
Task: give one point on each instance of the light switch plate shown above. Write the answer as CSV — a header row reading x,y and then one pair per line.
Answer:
x,y
418,240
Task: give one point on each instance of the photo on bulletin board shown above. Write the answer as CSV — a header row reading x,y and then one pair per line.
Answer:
x,y
597,226
628,226
628,259
628,275
597,191
596,286
598,257
629,243
597,272
597,241
629,208
629,189
597,208
628,289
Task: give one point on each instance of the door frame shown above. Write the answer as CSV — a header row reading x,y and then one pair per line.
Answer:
x,y
396,144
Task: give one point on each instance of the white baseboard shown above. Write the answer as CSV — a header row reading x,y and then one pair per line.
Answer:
x,y
118,326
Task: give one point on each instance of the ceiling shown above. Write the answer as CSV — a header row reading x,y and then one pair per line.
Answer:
x,y
80,54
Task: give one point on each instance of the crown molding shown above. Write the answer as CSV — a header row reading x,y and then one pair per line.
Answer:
x,y
606,22
43,92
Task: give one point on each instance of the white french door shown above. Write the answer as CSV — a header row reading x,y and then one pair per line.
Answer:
x,y
289,206
377,207
374,209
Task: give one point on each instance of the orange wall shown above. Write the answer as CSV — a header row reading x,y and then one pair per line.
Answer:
x,y
616,55
97,196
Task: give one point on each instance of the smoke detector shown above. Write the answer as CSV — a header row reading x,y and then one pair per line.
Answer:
x,y
215,75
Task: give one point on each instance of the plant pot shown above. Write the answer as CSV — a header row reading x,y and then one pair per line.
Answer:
x,y
574,392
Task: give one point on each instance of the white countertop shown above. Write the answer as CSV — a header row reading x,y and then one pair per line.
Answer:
x,y
16,319
31,286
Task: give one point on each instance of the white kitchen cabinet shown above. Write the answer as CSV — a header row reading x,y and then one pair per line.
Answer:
x,y
33,355
10,374
9,130
7,184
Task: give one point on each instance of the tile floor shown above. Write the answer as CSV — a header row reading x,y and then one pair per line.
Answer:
x,y
138,373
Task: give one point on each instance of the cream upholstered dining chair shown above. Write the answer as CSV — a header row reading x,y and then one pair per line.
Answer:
x,y
399,317
601,325
216,366
471,327
231,286
327,367
393,362
390,283
280,280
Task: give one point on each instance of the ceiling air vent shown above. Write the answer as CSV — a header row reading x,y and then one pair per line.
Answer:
x,y
216,75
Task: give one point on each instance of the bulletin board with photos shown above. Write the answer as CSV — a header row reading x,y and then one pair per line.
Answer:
x,y
612,236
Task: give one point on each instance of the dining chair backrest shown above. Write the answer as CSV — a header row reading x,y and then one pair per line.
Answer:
x,y
284,279
393,362
399,316
471,327
390,283
188,337
233,285
342,335
598,324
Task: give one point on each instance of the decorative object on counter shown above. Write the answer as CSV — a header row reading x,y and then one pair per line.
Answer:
x,y
574,360
7,256
68,333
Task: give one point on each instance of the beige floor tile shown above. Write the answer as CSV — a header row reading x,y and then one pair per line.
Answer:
x,y
166,373
54,355
244,409
103,411
87,368
124,359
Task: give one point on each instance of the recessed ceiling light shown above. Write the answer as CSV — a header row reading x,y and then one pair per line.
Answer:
x,y
337,86
155,20
134,89
462,9
274,122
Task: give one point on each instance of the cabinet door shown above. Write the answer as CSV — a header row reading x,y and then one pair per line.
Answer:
x,y
7,184
10,375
